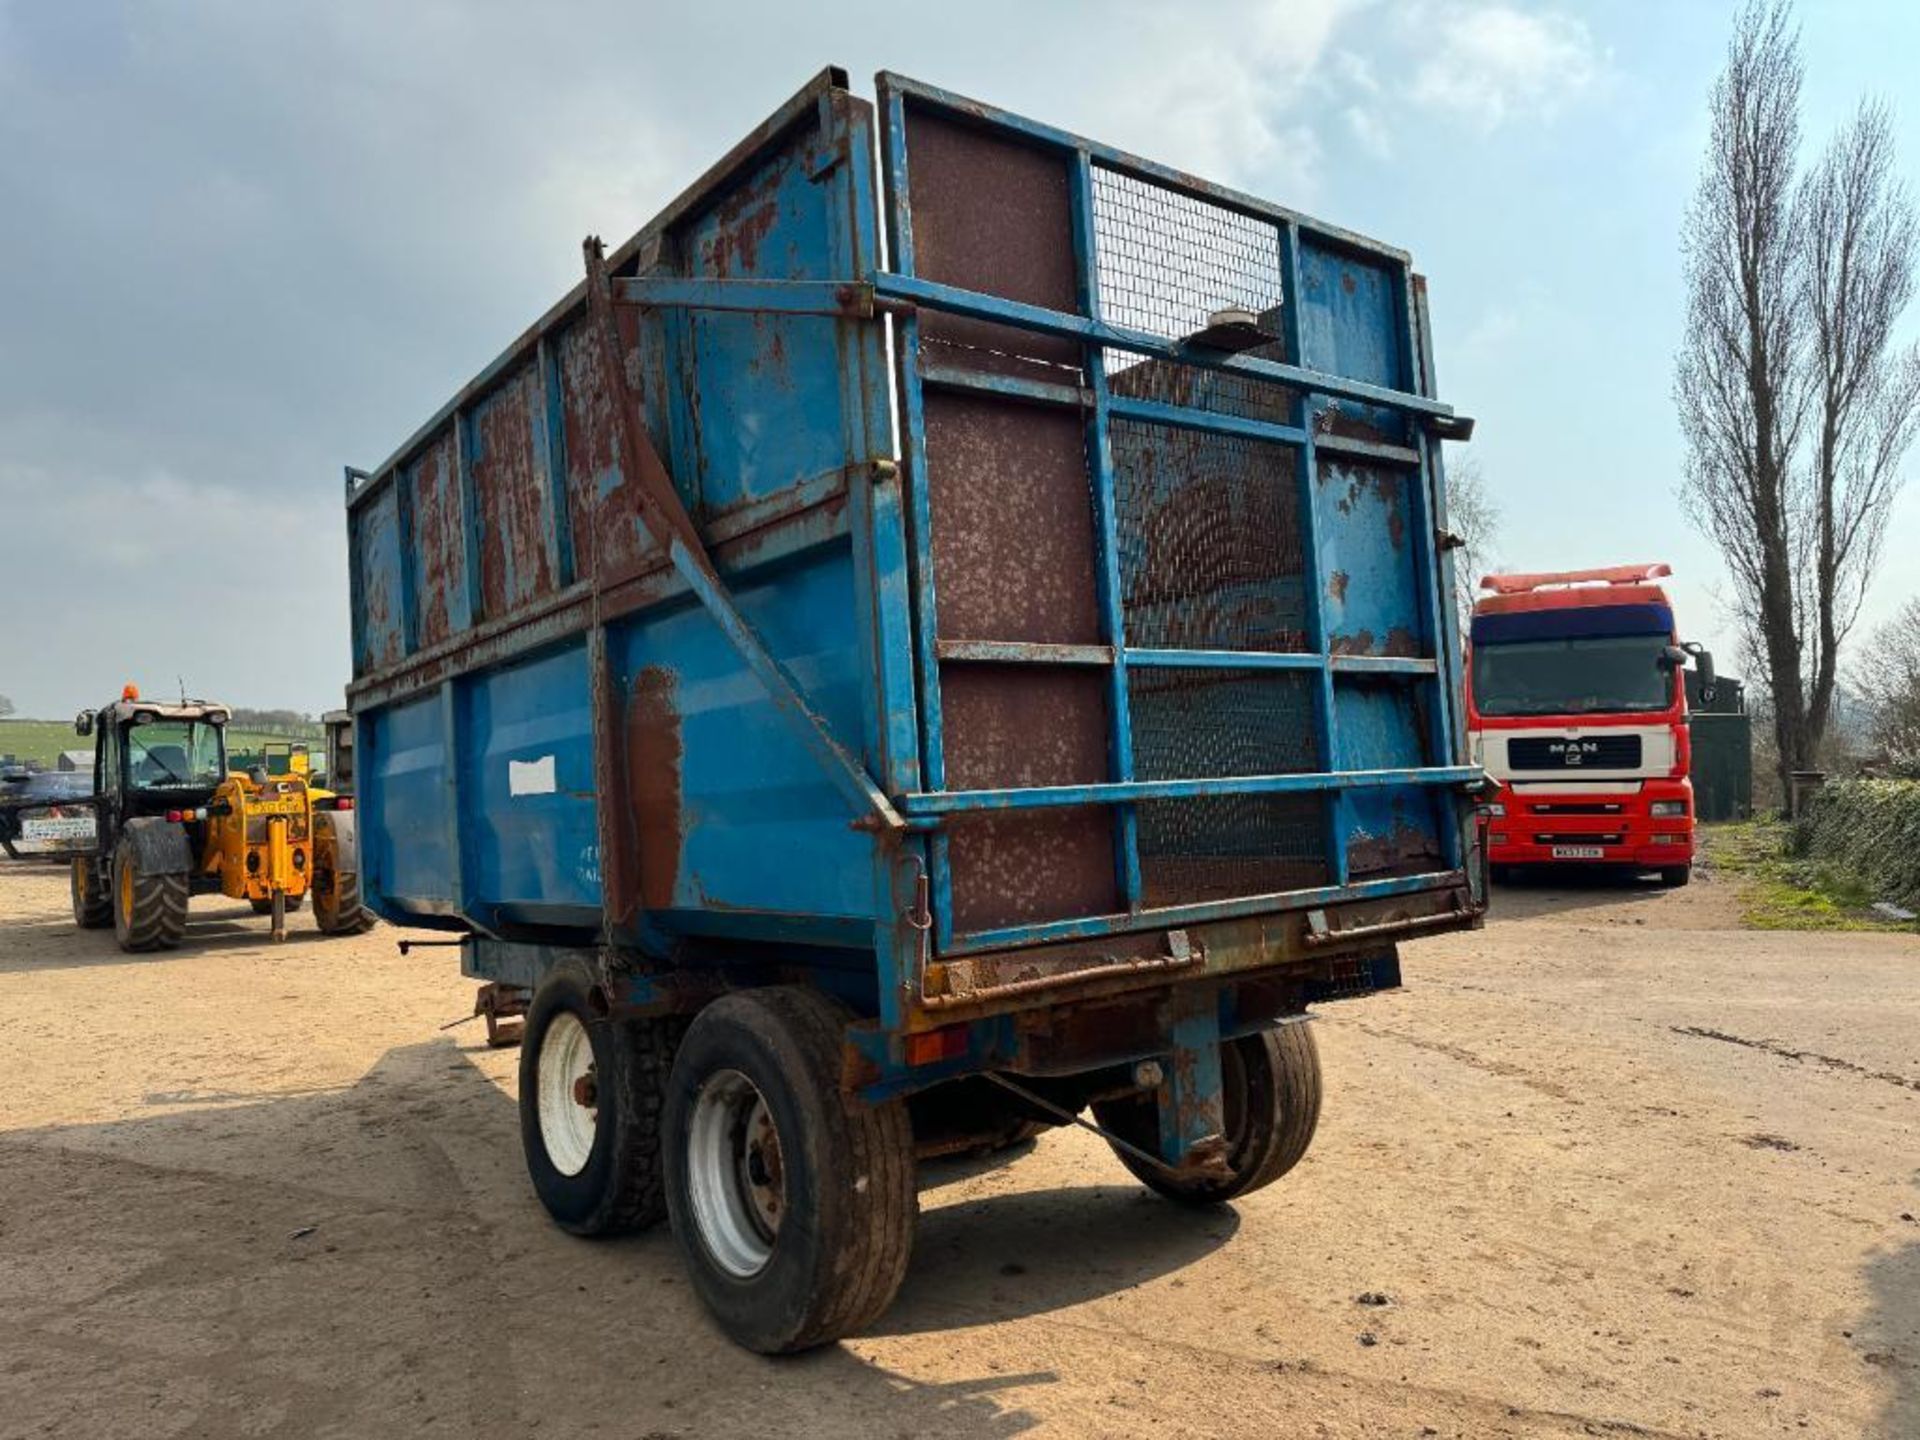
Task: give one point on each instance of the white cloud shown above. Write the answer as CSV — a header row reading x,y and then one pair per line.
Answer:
x,y
1226,101
1489,63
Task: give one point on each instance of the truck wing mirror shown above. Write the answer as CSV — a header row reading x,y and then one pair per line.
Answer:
x,y
1703,662
83,723
1673,658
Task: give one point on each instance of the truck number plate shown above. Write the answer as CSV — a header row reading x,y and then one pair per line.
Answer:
x,y
1578,852
57,827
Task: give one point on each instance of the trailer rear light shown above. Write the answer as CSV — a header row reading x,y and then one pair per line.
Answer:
x,y
173,817
344,802
929,1048
1661,808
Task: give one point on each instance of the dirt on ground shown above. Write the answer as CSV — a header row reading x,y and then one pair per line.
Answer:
x,y
1610,1167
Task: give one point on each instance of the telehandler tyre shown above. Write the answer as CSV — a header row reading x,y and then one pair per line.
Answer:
x,y
337,907
1271,1099
92,906
793,1202
149,911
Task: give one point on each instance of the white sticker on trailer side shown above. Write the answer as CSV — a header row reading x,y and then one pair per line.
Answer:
x,y
530,777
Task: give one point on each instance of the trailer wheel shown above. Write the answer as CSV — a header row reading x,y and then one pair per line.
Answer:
x,y
92,906
149,911
1674,876
590,1094
793,1202
1271,1084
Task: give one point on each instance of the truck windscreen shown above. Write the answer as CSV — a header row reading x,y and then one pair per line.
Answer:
x,y
1594,675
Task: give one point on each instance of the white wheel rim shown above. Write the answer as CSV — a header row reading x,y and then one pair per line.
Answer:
x,y
568,1105
735,1176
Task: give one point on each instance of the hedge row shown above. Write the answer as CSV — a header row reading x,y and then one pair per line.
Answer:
x,y
1870,827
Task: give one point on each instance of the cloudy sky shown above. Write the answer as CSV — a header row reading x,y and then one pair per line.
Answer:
x,y
245,244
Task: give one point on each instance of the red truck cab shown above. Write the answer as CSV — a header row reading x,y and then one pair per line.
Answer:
x,y
1576,710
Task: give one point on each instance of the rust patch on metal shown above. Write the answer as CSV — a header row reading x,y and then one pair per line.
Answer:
x,y
991,214
439,537
1401,642
741,222
1011,868
1337,585
609,539
1012,522
654,754
1017,726
515,508
1405,849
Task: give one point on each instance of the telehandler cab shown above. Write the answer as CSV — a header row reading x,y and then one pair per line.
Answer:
x,y
171,822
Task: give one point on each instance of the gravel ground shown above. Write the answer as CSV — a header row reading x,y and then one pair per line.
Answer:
x,y
1610,1167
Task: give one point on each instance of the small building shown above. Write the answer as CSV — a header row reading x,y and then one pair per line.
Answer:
x,y
1722,746
72,760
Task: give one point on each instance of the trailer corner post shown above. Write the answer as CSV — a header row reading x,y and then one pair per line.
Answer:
x,y
1192,1111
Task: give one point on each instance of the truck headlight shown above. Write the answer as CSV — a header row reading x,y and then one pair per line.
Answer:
x,y
1661,808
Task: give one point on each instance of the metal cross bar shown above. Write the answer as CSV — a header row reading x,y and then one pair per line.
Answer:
x,y
853,298
673,527
930,294
946,802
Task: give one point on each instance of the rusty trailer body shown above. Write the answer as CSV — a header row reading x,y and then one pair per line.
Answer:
x,y
943,565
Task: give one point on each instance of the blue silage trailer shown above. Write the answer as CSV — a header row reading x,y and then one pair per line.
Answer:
x,y
944,632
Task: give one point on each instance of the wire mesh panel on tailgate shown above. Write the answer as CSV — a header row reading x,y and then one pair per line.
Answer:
x,y
1132,408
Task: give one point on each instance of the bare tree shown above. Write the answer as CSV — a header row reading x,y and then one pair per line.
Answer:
x,y
6,707
1795,409
1890,686
1473,516
1857,276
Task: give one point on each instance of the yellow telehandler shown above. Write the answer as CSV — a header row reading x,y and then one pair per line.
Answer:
x,y
171,822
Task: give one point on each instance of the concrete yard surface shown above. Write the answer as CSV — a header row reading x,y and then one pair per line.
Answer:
x,y
1612,1167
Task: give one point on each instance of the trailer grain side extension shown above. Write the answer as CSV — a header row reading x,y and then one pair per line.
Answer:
x,y
945,628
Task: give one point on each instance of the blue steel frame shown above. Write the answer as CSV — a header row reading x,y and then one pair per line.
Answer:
x,y
1437,668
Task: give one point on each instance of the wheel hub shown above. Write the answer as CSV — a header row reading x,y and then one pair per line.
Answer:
x,y
736,1173
567,1097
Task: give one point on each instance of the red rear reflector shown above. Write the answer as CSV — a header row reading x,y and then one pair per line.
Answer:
x,y
936,1045
174,816
345,802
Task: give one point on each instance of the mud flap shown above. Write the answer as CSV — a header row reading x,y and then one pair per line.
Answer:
x,y
160,846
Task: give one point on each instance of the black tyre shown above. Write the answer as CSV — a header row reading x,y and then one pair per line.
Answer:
x,y
92,905
590,1099
337,905
149,911
1271,1099
793,1202
265,907
1674,876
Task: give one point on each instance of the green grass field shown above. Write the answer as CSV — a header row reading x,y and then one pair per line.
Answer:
x,y
43,740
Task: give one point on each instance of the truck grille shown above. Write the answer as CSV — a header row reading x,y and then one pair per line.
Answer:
x,y
1588,752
